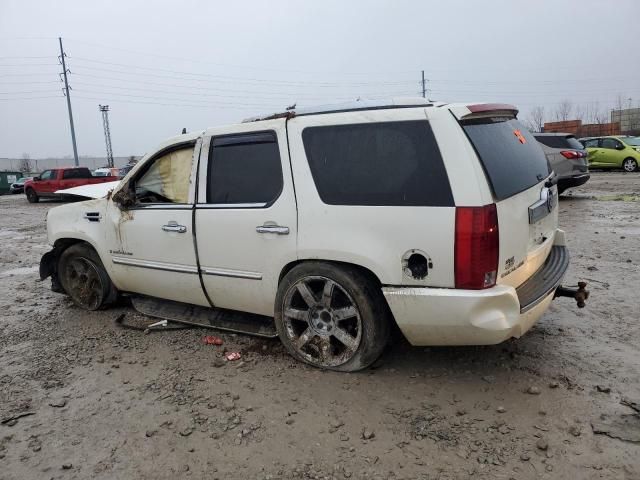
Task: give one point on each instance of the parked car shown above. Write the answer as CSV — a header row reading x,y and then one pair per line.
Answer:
x,y
567,157
50,182
613,152
107,172
18,185
328,225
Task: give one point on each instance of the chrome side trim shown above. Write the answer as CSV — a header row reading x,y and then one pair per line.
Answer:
x,y
223,272
168,267
232,205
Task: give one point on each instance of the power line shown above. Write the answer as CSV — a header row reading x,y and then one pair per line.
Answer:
x,y
29,98
178,75
226,65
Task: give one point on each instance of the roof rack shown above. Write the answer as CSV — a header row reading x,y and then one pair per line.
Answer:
x,y
354,106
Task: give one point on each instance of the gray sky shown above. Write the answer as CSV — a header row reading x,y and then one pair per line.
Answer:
x,y
164,65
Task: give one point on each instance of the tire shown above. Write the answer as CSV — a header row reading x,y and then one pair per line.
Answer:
x,y
32,196
84,278
332,316
629,165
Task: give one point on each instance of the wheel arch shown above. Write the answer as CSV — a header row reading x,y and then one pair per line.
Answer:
x,y
366,271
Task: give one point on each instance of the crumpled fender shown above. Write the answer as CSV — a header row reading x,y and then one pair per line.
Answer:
x,y
49,268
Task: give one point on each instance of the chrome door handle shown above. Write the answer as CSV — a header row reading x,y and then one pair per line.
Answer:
x,y
277,229
173,226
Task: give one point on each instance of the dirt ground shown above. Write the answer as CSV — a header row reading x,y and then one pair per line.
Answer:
x,y
109,403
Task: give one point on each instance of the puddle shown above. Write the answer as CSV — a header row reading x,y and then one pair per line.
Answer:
x,y
20,271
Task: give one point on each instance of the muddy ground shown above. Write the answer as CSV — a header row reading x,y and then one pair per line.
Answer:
x,y
108,403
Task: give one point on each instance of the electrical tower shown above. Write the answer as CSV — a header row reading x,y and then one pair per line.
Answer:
x,y
107,133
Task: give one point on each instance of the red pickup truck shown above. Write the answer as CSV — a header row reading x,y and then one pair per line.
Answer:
x,y
50,181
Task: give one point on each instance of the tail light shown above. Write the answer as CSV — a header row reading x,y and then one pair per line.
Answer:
x,y
476,247
573,154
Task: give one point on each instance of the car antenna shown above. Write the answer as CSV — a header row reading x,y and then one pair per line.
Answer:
x,y
184,130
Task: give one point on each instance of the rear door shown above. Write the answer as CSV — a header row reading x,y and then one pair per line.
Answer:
x,y
245,218
73,177
516,169
593,151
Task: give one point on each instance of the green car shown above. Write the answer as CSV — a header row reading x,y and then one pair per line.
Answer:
x,y
613,152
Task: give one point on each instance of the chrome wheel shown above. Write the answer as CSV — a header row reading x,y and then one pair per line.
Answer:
x,y
322,321
82,281
629,165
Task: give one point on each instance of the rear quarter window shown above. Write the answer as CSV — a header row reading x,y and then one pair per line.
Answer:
x,y
386,163
511,157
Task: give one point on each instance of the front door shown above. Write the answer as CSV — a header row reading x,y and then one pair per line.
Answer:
x,y
246,215
611,156
151,243
46,183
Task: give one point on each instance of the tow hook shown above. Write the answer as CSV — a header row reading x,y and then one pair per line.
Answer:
x,y
580,294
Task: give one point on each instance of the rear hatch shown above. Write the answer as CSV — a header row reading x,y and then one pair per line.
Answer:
x,y
516,169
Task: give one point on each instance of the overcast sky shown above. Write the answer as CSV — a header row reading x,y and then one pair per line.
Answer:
x,y
164,65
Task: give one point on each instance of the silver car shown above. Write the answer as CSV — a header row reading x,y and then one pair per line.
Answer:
x,y
567,157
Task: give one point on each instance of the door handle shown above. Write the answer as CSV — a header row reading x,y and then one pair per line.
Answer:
x,y
173,226
277,229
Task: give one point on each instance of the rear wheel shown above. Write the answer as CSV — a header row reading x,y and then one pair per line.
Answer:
x,y
32,196
629,165
332,317
84,278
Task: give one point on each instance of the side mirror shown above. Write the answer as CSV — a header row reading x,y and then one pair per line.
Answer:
x,y
36,179
620,147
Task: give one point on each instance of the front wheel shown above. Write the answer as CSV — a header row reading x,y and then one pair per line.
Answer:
x,y
629,165
331,316
84,278
32,196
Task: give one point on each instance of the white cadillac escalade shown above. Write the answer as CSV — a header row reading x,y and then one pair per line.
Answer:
x,y
326,226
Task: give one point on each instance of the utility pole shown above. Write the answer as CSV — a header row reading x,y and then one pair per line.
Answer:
x,y
66,88
107,133
424,86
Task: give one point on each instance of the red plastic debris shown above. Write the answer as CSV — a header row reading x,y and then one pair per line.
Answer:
x,y
231,356
211,340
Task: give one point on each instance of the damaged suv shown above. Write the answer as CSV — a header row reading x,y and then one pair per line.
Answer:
x,y
326,226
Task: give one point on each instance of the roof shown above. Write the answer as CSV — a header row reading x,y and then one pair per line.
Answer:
x,y
359,104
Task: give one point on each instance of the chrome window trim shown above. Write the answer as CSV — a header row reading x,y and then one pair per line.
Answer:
x,y
162,206
168,267
232,205
224,272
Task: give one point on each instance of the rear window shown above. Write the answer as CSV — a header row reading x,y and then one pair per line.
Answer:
x,y
510,155
76,173
386,163
559,141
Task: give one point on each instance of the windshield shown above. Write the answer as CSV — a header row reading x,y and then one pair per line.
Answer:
x,y
633,141
510,155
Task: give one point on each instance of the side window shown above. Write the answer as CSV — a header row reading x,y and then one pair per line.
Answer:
x,y
167,179
610,143
593,143
390,163
46,175
244,169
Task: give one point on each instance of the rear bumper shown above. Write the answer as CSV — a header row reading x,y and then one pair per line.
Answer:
x,y
442,316
573,181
